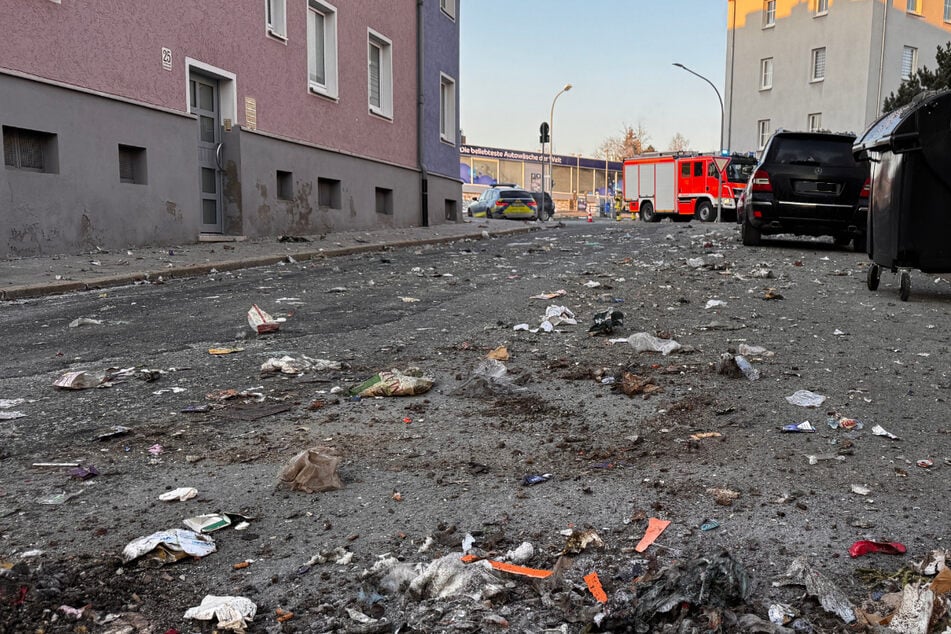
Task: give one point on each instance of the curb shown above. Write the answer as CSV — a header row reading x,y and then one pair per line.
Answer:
x,y
28,291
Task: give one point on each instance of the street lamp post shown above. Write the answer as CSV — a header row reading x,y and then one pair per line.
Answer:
x,y
551,138
720,149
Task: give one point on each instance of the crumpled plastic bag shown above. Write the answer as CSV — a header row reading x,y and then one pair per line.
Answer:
x,y
557,315
830,597
233,613
313,471
394,383
645,342
448,576
169,545
805,398
289,365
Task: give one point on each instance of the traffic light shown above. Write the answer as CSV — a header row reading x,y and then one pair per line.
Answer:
x,y
543,135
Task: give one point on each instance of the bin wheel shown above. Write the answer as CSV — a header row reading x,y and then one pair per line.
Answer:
x,y
905,288
705,212
874,275
647,212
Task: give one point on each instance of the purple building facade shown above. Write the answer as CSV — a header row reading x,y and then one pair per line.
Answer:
x,y
124,125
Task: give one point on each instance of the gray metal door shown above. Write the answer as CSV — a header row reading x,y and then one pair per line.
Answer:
x,y
204,103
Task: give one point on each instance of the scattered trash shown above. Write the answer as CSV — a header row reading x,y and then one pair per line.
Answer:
x,y
450,576
502,566
592,284
292,239
290,365
606,321
771,293
83,473
156,449
594,586
709,525
55,499
394,383
169,390
715,303
914,613
925,464
169,546
832,600
180,494
283,615
313,471
878,430
489,378
858,489
578,541
645,342
781,614
803,427
73,613
695,263
207,523
7,403
805,398
499,354
79,380
260,321
224,351
723,497
814,459
655,527
864,547
746,367
747,350
849,424
84,321
556,316
522,554
550,296
11,415
736,366
233,613
934,562
534,478
409,300
632,385
706,434
115,432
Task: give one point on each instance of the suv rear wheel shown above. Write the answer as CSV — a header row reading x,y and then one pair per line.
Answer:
x,y
752,237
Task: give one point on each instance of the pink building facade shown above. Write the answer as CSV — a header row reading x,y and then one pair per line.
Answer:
x,y
124,126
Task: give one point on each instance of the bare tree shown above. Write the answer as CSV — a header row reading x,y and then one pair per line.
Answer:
x,y
679,143
630,142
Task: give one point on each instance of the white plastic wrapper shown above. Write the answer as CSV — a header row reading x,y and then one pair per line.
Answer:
x,y
260,321
174,541
233,613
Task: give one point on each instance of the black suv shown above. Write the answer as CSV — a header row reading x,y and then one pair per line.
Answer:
x,y
546,209
807,183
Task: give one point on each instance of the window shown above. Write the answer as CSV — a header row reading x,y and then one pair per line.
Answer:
x,y
276,17
766,73
814,122
685,169
822,7
447,109
947,10
322,48
913,6
448,7
909,62
698,168
451,209
818,64
380,74
762,132
328,193
132,165
384,201
30,150
285,185
769,13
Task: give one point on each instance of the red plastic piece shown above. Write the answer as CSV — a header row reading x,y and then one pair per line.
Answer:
x,y
864,547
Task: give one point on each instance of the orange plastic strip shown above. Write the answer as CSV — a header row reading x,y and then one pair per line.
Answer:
x,y
511,568
594,585
654,528
468,559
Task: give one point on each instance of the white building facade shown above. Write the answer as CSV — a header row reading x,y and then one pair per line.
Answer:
x,y
821,64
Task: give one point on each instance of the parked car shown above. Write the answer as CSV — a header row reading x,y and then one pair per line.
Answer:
x,y
504,201
807,183
545,204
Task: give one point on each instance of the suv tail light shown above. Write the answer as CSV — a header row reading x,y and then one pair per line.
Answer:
x,y
866,188
761,182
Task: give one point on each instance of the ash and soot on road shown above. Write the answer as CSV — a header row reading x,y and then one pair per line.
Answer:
x,y
615,439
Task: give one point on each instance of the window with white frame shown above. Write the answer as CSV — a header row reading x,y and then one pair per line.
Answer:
x,y
766,73
769,13
448,7
762,132
913,6
276,17
322,48
909,62
818,64
947,10
814,122
447,108
822,7
380,74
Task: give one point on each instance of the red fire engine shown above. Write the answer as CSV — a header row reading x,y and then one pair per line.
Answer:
x,y
684,186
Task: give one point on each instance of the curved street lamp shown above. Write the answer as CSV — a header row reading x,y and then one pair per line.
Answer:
x,y
551,134
720,149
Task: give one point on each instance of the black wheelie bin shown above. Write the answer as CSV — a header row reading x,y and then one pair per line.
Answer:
x,y
909,219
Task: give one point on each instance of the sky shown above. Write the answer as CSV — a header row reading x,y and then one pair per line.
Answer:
x,y
516,55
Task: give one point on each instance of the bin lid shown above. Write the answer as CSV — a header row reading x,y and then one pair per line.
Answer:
x,y
907,128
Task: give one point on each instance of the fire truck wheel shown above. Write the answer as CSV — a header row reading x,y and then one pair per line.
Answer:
x,y
647,213
706,212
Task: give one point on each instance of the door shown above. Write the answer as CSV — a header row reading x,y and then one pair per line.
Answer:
x,y
204,103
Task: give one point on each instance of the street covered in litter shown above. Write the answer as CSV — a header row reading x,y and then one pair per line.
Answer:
x,y
598,427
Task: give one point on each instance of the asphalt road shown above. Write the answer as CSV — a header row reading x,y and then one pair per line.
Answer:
x,y
421,472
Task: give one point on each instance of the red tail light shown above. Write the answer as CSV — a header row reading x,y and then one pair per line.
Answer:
x,y
501,203
761,182
866,188
532,203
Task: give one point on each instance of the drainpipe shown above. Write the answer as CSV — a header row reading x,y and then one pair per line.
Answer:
x,y
729,136
420,101
881,61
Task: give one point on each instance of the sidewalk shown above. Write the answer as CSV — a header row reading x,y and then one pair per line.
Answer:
x,y
55,274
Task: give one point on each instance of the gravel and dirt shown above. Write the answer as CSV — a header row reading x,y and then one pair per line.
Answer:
x,y
696,443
